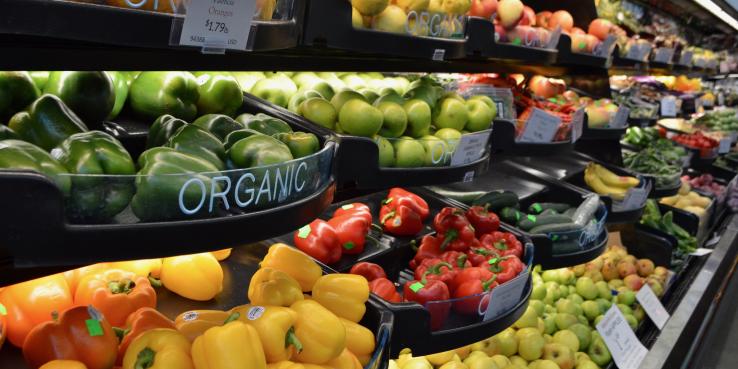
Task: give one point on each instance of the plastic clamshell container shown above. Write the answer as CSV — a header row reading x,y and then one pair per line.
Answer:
x,y
422,22
441,152
587,236
483,41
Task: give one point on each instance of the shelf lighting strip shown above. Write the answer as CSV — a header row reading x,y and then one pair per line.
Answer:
x,y
718,12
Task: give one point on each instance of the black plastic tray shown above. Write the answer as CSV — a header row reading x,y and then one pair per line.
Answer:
x,y
600,133
480,34
567,57
503,140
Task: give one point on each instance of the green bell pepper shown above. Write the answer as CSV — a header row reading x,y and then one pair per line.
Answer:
x,y
301,144
163,129
39,79
196,141
238,135
120,85
171,185
218,124
16,92
153,94
7,134
219,93
264,124
90,95
46,122
104,186
21,155
258,150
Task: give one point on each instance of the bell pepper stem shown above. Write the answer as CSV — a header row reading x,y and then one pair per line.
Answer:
x,y
120,333
414,245
461,260
387,216
125,286
145,359
291,339
451,235
231,318
155,282
487,283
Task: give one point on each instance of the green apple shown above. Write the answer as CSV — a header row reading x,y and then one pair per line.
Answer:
x,y
530,343
626,297
598,320
386,152
603,290
538,306
565,306
581,356
560,354
583,333
632,321
563,291
303,79
586,288
625,309
451,136
551,275
451,113
575,298
274,90
399,84
508,343
343,96
247,79
543,364
582,319
639,313
321,87
452,95
539,292
604,304
320,111
294,104
529,319
333,80
598,352
390,96
552,294
487,100
395,119
353,81
369,94
423,92
518,362
549,324
564,320
566,276
615,283
369,7
418,118
436,151
359,118
586,364
549,309
591,309
409,153
567,338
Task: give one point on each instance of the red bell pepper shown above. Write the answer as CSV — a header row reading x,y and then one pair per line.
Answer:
x,y
425,294
430,247
478,256
370,271
400,220
506,267
385,289
352,230
319,240
435,269
504,243
399,197
455,229
483,220
468,274
354,208
470,295
457,259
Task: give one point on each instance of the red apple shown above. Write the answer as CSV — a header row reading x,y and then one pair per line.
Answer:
x,y
592,43
529,17
510,12
542,18
561,18
578,43
524,36
600,28
577,31
546,87
483,8
570,96
544,36
500,33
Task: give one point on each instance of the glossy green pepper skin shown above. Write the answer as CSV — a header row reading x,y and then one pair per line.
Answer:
x,y
171,185
238,135
162,130
46,122
120,86
196,141
218,124
97,197
39,79
90,95
17,91
258,150
21,155
301,144
220,93
264,124
153,94
7,134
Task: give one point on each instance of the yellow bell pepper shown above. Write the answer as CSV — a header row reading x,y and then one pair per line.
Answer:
x,y
321,333
159,348
463,351
64,364
393,365
234,345
293,365
143,267
346,360
275,326
417,363
441,358
293,262
359,340
221,255
194,323
196,277
273,287
343,294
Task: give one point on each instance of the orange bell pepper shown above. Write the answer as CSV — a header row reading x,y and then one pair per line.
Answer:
x,y
31,303
3,324
194,323
116,293
64,364
140,321
75,275
81,333
221,254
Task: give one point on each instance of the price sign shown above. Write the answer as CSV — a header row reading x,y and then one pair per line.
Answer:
x,y
541,127
218,24
471,147
627,351
686,58
652,306
701,252
438,54
605,48
505,296
577,125
725,145
668,106
620,118
663,55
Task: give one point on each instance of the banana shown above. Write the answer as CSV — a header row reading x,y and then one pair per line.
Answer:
x,y
613,180
595,183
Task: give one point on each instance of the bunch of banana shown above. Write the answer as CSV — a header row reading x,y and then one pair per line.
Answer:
x,y
607,183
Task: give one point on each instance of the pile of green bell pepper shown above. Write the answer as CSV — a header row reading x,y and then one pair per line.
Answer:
x,y
686,243
21,155
46,122
17,90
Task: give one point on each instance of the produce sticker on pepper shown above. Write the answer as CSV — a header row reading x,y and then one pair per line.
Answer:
x,y
93,327
304,231
417,286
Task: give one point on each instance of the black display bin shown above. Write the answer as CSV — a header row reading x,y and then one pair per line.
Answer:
x,y
567,57
503,140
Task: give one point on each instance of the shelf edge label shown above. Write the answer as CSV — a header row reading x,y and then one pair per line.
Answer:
x,y
626,350
541,127
652,306
218,24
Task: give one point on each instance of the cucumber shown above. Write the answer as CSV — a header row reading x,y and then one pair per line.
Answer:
x,y
511,215
539,207
549,212
570,213
586,210
532,221
498,200
464,197
556,227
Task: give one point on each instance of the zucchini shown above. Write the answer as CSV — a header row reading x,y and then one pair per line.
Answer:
x,y
498,200
511,215
556,227
464,197
532,221
539,207
586,210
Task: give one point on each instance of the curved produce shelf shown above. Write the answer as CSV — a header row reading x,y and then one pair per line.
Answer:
x,y
503,139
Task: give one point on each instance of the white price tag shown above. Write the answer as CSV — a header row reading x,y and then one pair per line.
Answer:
x,y
605,48
438,54
725,145
625,348
634,199
724,67
468,176
668,106
652,306
218,24
471,147
505,296
686,58
620,118
701,251
639,51
577,125
663,55
541,127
